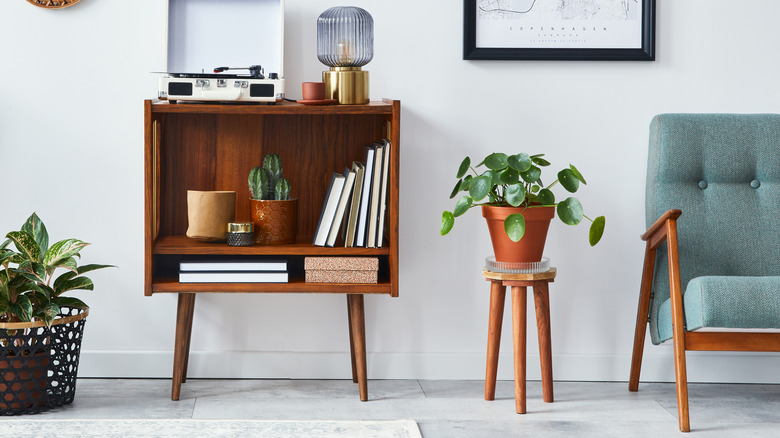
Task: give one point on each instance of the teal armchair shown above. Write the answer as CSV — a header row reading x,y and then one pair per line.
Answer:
x,y
712,208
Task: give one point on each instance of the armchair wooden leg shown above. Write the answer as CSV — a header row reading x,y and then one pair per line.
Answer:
x,y
642,312
678,326
496,319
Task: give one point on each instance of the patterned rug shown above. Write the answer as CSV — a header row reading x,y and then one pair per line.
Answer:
x,y
23,428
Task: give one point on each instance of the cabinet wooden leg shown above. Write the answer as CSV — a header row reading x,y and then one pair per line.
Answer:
x,y
519,299
190,313
351,342
358,324
495,321
184,313
542,302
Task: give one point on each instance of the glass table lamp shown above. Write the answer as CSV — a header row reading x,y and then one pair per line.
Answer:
x,y
345,43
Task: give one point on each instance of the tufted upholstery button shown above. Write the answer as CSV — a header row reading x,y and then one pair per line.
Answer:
x,y
755,183
702,184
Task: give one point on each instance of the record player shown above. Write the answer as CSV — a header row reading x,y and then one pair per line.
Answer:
x,y
247,31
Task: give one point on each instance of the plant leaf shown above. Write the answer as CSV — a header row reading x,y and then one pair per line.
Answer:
x,y
495,178
33,271
47,312
466,183
570,211
456,189
22,308
568,180
447,221
577,174
462,206
34,226
464,167
25,244
480,186
515,194
545,197
496,161
596,230
531,175
62,250
520,162
514,225
509,176
5,254
70,302
540,161
82,283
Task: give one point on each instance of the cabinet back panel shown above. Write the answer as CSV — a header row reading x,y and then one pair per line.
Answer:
x,y
217,151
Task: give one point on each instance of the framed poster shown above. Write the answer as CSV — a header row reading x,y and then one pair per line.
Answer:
x,y
600,30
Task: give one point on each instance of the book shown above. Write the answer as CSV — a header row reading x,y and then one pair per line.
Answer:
x,y
365,197
376,184
332,197
338,218
380,230
233,277
354,208
232,264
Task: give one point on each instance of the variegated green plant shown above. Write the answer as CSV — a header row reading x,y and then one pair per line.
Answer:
x,y
267,181
515,180
29,289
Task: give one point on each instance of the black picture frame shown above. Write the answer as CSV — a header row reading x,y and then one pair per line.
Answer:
x,y
644,53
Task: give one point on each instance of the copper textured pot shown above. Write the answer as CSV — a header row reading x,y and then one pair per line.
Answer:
x,y
530,248
276,222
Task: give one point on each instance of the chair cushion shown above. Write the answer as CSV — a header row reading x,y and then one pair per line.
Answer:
x,y
726,302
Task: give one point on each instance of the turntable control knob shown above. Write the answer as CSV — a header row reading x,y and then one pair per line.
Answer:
x,y
273,75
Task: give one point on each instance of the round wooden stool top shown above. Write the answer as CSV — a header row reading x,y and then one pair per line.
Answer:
x,y
548,275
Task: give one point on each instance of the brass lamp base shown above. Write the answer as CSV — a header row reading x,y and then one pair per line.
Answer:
x,y
348,85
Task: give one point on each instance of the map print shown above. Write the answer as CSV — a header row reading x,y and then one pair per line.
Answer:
x,y
559,9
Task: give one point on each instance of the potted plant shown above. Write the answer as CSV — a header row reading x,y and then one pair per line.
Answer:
x,y
274,214
40,327
518,206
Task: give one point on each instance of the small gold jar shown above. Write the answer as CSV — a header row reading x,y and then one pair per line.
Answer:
x,y
240,234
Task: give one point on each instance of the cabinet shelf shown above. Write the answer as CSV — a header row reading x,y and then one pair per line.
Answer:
x,y
172,245
296,285
383,107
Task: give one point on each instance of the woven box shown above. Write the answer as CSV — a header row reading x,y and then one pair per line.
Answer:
x,y
341,269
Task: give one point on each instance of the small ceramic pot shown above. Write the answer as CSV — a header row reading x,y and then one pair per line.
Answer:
x,y
276,222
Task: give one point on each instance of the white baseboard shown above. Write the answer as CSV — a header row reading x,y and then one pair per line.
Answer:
x,y
702,366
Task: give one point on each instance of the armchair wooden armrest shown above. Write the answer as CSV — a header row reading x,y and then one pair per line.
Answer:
x,y
657,232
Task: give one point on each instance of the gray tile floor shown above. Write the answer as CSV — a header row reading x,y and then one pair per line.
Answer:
x,y
445,408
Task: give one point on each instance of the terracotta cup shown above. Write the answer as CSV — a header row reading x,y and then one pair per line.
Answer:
x,y
313,90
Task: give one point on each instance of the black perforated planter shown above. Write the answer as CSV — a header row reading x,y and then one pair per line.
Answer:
x,y
38,364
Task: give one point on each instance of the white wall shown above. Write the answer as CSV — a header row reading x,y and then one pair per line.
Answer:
x,y
71,147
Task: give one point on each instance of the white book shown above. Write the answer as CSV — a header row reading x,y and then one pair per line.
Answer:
x,y
380,231
332,198
360,169
376,184
338,218
234,277
365,197
232,264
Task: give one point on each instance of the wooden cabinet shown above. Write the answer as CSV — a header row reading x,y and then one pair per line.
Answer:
x,y
213,147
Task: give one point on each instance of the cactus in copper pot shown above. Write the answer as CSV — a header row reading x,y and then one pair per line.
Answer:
x,y
267,182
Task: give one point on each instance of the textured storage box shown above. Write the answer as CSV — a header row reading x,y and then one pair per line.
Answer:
x,y
341,269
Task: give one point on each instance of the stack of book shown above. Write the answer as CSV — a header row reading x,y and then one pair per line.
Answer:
x,y
233,271
341,269
355,203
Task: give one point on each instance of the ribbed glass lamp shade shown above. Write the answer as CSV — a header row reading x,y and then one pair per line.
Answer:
x,y
345,37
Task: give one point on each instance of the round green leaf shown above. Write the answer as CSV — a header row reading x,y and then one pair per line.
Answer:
x,y
509,176
447,221
520,162
570,211
568,180
532,174
464,186
514,225
539,161
464,167
596,230
577,174
480,186
545,197
462,206
496,161
515,194
456,189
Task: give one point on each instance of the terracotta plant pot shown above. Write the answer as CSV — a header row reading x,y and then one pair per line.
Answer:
x,y
528,249
276,222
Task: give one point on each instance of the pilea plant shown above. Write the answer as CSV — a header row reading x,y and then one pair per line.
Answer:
x,y
267,182
29,290
515,180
